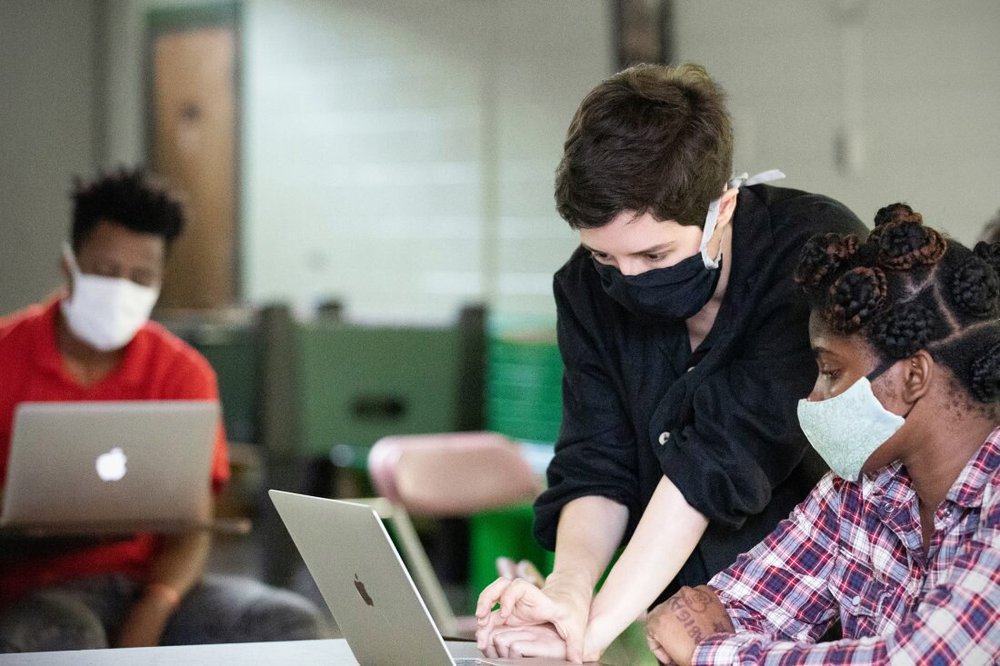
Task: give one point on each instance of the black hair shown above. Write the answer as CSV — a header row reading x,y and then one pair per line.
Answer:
x,y
129,198
991,230
907,288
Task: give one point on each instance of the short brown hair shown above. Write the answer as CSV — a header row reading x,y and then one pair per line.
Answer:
x,y
652,138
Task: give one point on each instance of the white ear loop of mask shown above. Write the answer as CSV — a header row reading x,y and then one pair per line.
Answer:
x,y
712,217
70,258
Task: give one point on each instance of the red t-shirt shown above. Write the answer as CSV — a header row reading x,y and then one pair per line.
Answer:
x,y
157,366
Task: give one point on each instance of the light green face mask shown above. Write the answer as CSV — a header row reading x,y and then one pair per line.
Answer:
x,y
847,429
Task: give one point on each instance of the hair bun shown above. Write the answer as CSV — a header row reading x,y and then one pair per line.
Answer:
x,y
855,297
823,255
905,330
895,213
985,384
990,253
975,287
908,243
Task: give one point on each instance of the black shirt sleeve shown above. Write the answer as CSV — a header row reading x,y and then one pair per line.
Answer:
x,y
595,453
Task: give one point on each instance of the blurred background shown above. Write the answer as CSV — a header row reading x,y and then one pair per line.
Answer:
x,y
398,156
373,232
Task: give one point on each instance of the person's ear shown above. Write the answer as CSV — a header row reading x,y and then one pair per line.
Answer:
x,y
67,275
918,375
727,207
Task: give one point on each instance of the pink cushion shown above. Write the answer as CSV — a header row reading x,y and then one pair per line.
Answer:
x,y
451,474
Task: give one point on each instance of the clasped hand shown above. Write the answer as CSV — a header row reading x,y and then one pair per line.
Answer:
x,y
550,621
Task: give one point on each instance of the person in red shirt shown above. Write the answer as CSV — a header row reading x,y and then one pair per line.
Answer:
x,y
96,342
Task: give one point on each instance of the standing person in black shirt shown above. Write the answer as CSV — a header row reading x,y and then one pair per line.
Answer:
x,y
685,352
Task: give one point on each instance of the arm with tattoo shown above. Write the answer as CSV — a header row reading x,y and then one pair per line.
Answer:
x,y
677,625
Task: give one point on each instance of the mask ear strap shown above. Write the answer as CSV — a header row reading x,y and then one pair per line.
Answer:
x,y
706,234
763,177
736,182
880,369
70,258
711,218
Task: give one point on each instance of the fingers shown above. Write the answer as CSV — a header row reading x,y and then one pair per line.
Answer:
x,y
575,649
520,602
525,603
522,605
489,597
574,638
506,568
534,641
515,609
484,631
487,648
527,570
657,650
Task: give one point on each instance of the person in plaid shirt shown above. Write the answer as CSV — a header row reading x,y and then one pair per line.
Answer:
x,y
900,542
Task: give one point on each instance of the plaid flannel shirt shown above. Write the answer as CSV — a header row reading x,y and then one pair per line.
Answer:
x,y
856,550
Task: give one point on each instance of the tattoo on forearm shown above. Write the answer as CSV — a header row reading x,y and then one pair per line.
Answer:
x,y
690,626
697,600
686,604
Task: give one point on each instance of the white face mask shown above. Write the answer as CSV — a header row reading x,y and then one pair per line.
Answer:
x,y
105,312
845,430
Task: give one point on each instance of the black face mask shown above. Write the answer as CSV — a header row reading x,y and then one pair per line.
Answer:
x,y
677,292
674,293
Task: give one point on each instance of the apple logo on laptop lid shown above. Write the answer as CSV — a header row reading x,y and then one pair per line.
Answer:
x,y
362,591
111,465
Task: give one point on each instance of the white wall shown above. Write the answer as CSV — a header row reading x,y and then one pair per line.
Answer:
x,y
916,82
48,133
400,155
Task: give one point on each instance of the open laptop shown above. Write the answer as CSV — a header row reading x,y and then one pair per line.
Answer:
x,y
369,591
86,467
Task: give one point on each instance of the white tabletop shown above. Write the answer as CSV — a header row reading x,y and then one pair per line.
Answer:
x,y
330,652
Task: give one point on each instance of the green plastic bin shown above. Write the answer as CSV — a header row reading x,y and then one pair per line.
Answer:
x,y
524,402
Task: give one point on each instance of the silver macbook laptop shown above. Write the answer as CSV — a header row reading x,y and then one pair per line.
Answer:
x,y
369,591
83,467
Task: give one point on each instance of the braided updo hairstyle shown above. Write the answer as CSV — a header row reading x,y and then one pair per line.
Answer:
x,y
906,288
